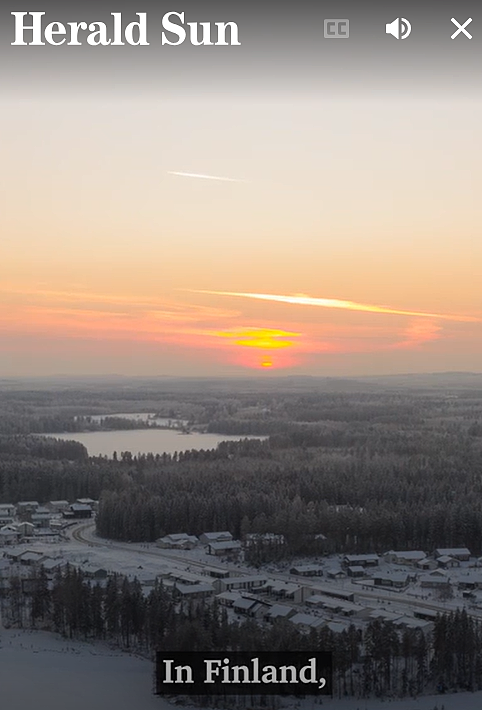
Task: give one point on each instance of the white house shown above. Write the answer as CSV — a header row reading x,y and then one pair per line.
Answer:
x,y
210,537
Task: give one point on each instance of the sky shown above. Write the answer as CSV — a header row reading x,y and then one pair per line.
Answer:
x,y
341,236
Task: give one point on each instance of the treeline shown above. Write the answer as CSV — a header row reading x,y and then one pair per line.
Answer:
x,y
376,661
40,447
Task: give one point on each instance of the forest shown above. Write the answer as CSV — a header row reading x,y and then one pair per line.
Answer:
x,y
368,470
376,661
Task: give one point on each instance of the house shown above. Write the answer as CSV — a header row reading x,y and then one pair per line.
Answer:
x,y
9,535
286,590
247,582
252,539
193,591
249,607
177,541
361,560
470,581
31,559
405,557
336,627
227,547
459,553
88,501
427,564
25,529
307,570
6,519
356,571
52,566
306,622
57,506
92,571
78,511
432,581
227,598
27,507
7,509
216,572
447,562
398,580
210,537
335,573
41,517
331,590
279,611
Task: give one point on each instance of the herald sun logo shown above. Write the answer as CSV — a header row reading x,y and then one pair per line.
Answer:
x,y
31,29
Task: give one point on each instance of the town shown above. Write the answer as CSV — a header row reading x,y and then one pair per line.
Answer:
x,y
408,588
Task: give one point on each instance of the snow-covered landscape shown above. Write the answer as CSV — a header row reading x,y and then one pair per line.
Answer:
x,y
43,669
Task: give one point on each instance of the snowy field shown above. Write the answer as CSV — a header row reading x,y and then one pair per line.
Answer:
x,y
43,670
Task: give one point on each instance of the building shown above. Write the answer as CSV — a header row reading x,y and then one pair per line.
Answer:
x,y
250,607
252,539
397,580
459,553
227,598
254,581
88,501
356,571
78,511
447,562
31,559
332,591
193,591
405,557
27,507
6,519
306,622
7,509
224,548
216,572
471,581
177,541
432,581
57,506
286,590
427,564
52,566
307,570
9,535
361,560
210,537
279,611
41,517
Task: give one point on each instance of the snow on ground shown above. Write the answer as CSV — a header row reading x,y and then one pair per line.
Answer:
x,y
44,670
39,669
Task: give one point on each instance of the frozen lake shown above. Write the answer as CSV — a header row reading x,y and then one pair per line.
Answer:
x,y
144,441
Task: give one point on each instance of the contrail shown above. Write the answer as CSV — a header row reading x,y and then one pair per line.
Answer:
x,y
302,300
205,177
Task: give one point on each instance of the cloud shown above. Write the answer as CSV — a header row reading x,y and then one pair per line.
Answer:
x,y
199,176
302,300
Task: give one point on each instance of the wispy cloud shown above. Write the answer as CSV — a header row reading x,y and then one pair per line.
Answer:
x,y
303,300
200,176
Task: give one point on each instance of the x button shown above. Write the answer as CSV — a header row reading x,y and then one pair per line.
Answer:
x,y
461,28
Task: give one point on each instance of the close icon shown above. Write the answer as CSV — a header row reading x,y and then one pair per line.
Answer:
x,y
461,28
399,28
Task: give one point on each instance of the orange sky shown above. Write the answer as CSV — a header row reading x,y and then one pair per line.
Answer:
x,y
109,263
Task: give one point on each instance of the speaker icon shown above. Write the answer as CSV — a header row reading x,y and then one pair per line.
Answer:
x,y
399,28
